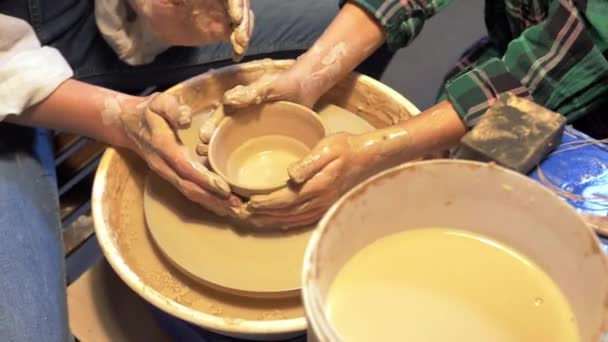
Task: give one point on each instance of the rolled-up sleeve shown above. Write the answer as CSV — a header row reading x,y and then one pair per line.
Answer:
x,y
28,72
402,20
557,63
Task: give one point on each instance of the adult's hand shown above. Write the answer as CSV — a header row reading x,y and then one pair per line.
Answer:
x,y
199,22
336,53
151,124
277,84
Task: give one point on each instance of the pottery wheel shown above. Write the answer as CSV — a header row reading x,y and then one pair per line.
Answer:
x,y
218,253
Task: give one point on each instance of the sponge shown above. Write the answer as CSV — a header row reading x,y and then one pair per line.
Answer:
x,y
515,133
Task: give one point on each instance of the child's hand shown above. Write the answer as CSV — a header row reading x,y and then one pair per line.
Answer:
x,y
274,85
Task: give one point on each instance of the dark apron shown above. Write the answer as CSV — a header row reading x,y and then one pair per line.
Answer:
x,y
68,25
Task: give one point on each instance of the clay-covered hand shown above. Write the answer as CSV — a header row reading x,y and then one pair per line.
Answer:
x,y
199,22
243,22
152,123
335,165
277,84
280,86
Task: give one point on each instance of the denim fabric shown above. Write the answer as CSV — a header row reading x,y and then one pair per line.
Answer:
x,y
32,276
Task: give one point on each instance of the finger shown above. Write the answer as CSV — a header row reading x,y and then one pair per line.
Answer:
x,y
288,197
231,206
235,11
168,147
241,34
268,222
310,165
202,149
209,126
196,172
189,189
245,28
168,106
281,198
311,205
244,96
251,24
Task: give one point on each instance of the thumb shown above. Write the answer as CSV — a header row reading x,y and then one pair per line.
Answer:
x,y
241,34
310,165
235,11
209,126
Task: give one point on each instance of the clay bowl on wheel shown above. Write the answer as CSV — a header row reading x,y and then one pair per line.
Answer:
x,y
126,243
253,147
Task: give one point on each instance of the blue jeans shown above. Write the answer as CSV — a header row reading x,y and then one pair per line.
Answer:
x,y
32,285
32,277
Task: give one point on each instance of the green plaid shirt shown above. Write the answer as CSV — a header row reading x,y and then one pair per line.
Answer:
x,y
553,51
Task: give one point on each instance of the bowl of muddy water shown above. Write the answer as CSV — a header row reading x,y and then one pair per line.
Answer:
x,y
253,147
448,250
357,104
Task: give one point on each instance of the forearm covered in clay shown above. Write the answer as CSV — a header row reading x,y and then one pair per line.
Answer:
x,y
352,37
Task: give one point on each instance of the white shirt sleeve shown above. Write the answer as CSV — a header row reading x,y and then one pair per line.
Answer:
x,y
28,72
128,37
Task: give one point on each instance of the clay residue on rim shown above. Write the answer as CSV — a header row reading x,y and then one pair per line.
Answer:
x,y
139,252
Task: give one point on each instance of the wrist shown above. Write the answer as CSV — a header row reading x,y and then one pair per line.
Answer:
x,y
307,86
114,132
117,137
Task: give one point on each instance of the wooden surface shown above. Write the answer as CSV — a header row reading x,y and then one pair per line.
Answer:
x,y
102,308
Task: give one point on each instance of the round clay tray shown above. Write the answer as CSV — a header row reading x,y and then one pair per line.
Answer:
x,y
221,254
120,226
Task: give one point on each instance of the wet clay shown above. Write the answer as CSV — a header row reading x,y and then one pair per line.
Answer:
x,y
130,248
218,253
241,130
138,250
337,119
262,162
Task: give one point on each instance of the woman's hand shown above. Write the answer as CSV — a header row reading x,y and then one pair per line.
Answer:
x,y
199,22
335,165
151,124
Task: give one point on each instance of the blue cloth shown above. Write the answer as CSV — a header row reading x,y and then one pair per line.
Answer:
x,y
581,169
